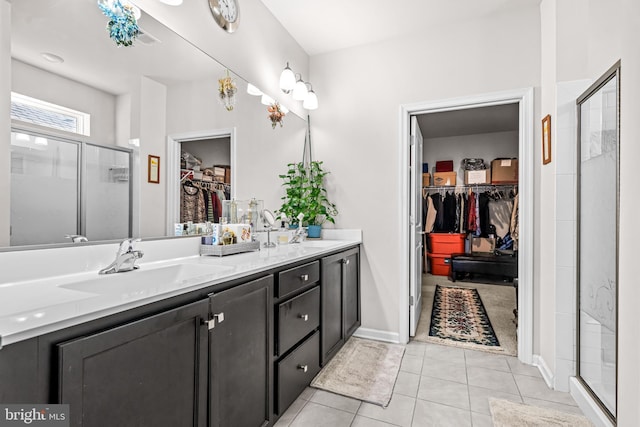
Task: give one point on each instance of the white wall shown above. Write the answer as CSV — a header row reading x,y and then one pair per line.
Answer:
x,y
5,121
210,151
356,129
40,84
487,146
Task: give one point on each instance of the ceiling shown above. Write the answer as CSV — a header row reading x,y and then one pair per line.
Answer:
x,y
470,121
330,25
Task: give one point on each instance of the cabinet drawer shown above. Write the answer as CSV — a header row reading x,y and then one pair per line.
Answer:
x,y
295,278
296,371
297,317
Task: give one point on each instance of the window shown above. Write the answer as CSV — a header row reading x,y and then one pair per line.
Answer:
x,y
31,110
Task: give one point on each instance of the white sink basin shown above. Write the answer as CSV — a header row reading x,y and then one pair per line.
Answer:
x,y
148,281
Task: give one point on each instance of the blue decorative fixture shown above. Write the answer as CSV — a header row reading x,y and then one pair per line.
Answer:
x,y
122,26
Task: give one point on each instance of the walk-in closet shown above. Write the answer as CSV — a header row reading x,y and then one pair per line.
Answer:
x,y
470,222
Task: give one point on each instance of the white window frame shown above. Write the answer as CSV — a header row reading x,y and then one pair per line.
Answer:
x,y
83,120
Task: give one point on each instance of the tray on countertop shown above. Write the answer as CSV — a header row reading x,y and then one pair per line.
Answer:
x,y
222,250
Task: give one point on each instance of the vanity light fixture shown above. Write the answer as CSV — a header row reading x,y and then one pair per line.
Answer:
x,y
252,90
267,100
287,79
300,89
172,2
311,100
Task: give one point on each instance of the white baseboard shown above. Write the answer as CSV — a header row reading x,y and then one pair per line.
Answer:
x,y
586,403
378,335
547,375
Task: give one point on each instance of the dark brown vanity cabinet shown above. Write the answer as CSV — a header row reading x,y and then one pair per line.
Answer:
x,y
297,355
240,337
145,373
340,291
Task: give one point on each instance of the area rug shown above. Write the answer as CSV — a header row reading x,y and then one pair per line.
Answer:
x,y
362,369
459,315
508,414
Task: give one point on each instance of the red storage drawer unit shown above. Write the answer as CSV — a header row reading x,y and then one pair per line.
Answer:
x,y
447,243
440,264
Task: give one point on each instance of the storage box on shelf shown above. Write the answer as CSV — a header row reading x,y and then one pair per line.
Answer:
x,y
444,178
442,246
477,177
426,179
504,171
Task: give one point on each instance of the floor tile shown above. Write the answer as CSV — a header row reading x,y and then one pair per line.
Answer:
x,y
336,401
517,367
481,420
479,398
487,360
444,370
314,415
411,364
492,379
428,414
399,411
415,348
445,353
289,415
361,421
552,405
407,384
444,392
538,389
308,393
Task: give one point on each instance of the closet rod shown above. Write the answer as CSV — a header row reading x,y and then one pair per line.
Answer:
x,y
467,186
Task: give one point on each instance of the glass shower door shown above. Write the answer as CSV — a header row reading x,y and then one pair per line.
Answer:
x,y
44,189
598,150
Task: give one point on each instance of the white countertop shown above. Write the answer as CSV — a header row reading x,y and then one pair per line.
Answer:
x,y
46,303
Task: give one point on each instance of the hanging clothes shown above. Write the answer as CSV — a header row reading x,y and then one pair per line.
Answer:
x,y
439,208
192,204
515,225
500,216
430,217
449,218
483,214
471,216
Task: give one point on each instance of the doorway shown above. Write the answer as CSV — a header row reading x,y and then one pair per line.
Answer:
x,y
208,145
524,99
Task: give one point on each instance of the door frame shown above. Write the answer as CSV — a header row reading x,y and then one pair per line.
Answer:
x,y
524,98
173,168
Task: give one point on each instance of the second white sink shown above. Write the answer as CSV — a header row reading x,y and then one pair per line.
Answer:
x,y
152,280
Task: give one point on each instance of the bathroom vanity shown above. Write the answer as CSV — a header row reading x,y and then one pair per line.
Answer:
x,y
224,342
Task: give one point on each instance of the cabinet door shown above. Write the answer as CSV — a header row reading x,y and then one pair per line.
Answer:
x,y
144,373
239,352
331,325
351,288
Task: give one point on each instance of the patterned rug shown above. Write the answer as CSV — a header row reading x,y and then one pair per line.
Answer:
x,y
458,314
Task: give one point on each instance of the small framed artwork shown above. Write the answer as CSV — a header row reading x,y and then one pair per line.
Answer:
x,y
154,169
546,140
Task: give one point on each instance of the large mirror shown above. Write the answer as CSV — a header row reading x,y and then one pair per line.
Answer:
x,y
141,99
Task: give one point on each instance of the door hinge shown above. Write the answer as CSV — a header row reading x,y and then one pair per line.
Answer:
x,y
411,300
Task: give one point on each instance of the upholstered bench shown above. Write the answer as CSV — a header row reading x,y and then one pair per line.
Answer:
x,y
504,265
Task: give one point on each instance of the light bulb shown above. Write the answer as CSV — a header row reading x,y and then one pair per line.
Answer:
x,y
287,79
299,90
252,90
310,101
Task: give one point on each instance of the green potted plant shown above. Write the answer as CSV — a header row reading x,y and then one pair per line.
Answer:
x,y
305,193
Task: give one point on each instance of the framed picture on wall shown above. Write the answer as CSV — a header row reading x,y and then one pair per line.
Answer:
x,y
154,170
546,140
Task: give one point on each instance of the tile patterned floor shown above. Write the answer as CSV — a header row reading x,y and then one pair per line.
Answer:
x,y
437,386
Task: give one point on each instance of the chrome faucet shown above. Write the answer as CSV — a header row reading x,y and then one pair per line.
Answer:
x,y
300,233
125,258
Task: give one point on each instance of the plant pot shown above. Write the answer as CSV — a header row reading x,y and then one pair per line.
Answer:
x,y
313,231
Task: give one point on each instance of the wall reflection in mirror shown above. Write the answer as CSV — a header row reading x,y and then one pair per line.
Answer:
x,y
101,110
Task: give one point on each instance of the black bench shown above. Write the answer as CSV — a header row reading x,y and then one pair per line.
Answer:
x,y
494,264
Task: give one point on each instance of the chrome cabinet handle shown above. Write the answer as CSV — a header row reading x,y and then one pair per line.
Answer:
x,y
304,277
304,317
303,368
219,317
